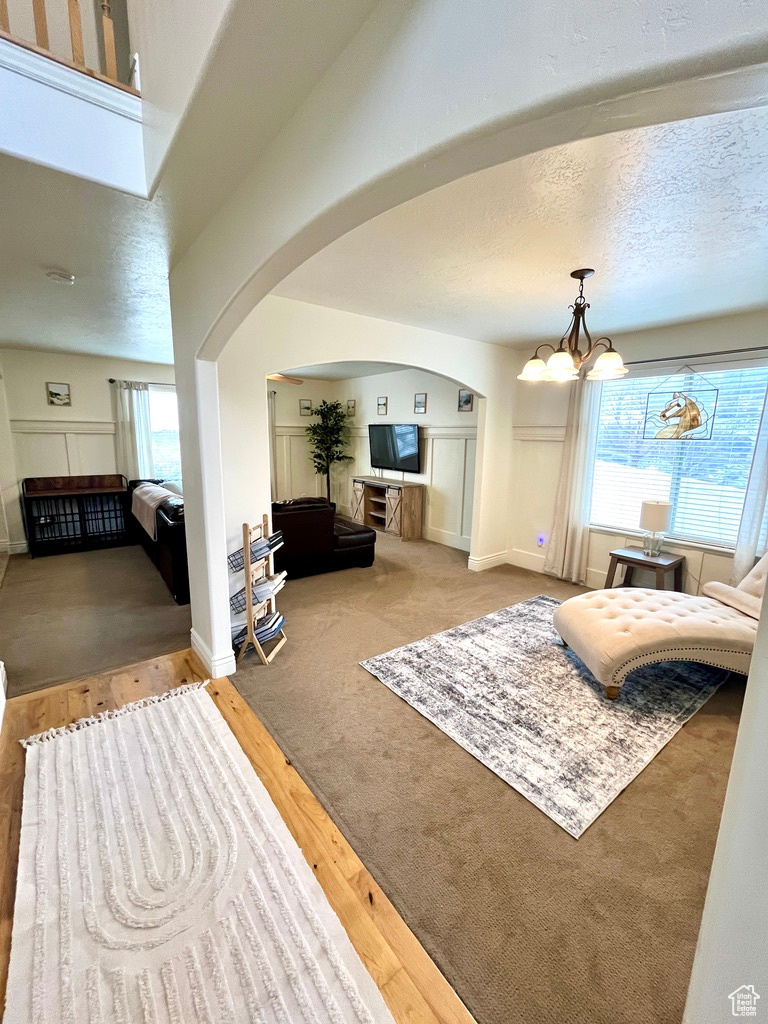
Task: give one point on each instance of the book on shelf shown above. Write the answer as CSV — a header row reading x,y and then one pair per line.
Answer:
x,y
266,629
262,590
259,549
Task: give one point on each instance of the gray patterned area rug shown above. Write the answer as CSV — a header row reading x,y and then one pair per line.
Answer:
x,y
506,690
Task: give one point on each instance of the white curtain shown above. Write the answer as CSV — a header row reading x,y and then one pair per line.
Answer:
x,y
133,431
751,528
569,540
271,397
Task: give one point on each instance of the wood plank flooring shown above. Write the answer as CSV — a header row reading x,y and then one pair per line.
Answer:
x,y
409,981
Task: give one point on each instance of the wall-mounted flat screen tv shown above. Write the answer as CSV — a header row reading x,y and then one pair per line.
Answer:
x,y
395,446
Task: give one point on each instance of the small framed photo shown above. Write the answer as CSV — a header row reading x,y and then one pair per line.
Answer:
x,y
420,403
305,407
351,406
58,394
466,400
381,405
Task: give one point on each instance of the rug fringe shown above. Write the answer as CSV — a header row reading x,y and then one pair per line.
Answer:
x,y
103,716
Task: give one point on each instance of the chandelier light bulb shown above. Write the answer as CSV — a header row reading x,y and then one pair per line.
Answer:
x,y
534,369
560,367
608,366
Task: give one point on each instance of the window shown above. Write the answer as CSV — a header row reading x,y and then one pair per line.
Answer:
x,y
164,420
705,480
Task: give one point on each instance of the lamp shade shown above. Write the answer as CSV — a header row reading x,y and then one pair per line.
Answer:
x,y
608,366
656,516
533,370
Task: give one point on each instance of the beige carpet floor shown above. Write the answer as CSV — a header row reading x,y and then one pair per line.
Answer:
x,y
528,924
67,616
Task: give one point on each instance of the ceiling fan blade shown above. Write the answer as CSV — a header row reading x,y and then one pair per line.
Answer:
x,y
282,379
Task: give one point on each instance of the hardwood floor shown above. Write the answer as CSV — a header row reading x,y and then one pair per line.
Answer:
x,y
410,983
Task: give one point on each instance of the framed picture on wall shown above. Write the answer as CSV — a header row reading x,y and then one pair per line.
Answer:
x,y
58,394
305,407
381,405
351,406
466,400
420,403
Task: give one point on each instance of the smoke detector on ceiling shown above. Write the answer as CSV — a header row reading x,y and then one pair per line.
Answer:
x,y
60,276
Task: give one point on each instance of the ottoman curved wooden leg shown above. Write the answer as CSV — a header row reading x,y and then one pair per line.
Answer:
x,y
612,692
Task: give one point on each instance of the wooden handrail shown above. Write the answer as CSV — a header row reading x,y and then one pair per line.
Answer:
x,y
42,39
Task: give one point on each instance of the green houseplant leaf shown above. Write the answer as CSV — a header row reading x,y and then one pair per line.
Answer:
x,y
329,437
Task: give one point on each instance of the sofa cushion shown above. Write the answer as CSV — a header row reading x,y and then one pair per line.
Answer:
x,y
352,535
297,504
754,582
734,597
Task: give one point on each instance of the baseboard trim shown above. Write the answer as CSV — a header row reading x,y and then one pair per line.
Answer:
x,y
487,561
221,665
527,560
448,540
18,547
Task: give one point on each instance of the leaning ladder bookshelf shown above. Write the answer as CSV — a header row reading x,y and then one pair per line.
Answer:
x,y
263,623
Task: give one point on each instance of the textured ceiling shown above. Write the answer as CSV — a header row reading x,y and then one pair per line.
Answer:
x,y
120,247
674,219
116,245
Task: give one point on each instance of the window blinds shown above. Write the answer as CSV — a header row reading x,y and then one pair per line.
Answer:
x,y
705,480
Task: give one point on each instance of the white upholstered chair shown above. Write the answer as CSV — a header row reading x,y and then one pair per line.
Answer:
x,y
617,631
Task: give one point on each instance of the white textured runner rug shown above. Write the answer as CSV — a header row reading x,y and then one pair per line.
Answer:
x,y
159,885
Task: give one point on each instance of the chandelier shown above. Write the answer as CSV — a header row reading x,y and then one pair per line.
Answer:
x,y
567,359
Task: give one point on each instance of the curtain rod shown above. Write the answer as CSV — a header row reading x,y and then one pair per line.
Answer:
x,y
154,383
697,355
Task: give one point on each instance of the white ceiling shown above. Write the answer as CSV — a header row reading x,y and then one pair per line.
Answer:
x,y
115,244
674,219
120,247
342,370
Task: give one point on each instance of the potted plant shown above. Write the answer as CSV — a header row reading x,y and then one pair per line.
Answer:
x,y
328,438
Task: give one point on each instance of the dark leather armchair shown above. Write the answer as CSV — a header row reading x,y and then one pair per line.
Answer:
x,y
314,541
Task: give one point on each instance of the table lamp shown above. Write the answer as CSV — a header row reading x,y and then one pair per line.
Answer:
x,y
655,518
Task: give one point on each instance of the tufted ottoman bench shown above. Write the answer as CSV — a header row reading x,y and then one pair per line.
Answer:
x,y
616,631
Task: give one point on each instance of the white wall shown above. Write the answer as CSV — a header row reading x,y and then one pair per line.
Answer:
x,y
449,440
295,476
449,445
61,118
539,434
734,929
173,40
51,440
282,333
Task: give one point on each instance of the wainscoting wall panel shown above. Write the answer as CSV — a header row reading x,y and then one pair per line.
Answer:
x,y
63,448
448,474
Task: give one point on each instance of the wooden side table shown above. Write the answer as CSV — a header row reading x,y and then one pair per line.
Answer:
x,y
634,558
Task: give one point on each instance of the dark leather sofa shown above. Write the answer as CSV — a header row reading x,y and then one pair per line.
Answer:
x,y
315,541
169,551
